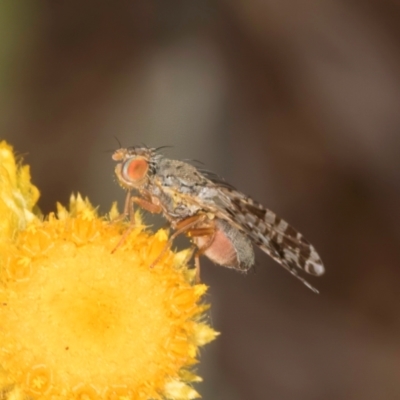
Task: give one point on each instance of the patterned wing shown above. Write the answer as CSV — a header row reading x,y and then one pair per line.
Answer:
x,y
272,234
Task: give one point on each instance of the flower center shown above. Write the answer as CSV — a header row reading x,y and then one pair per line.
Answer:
x,y
107,325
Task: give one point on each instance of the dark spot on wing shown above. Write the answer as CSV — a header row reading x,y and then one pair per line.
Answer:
x,y
277,249
305,252
290,231
258,212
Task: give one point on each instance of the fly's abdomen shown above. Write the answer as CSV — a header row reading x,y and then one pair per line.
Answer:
x,y
229,247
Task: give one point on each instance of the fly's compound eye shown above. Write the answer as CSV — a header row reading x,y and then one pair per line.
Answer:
x,y
135,170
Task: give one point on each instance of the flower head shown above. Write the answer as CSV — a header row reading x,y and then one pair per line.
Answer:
x,y
80,321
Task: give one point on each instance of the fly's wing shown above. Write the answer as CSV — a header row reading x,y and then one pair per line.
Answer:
x,y
272,234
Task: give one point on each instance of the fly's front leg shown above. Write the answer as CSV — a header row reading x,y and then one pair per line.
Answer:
x,y
181,227
129,210
143,202
127,207
146,205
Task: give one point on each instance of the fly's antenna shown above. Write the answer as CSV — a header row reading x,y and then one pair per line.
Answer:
x,y
157,149
119,143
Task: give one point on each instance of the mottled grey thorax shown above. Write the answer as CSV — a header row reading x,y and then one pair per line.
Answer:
x,y
181,189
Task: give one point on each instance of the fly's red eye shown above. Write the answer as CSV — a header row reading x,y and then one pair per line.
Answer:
x,y
135,170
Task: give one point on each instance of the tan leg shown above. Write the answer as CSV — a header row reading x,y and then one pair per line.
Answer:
x,y
128,205
209,231
129,210
146,204
123,238
182,227
197,267
126,211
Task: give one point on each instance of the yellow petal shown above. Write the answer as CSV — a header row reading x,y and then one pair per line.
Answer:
x,y
178,390
17,195
204,334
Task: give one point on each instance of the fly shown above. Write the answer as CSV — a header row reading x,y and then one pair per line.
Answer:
x,y
222,222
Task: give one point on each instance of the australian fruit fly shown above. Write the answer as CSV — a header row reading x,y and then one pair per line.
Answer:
x,y
222,222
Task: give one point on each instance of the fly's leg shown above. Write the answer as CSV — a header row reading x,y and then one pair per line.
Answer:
x,y
129,210
200,232
145,204
182,227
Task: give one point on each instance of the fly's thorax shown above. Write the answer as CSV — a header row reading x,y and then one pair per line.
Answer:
x,y
227,246
179,210
182,189
167,203
176,205
180,176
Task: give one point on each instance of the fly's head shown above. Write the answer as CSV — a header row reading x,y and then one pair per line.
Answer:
x,y
135,166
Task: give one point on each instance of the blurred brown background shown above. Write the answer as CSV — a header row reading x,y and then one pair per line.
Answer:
x,y
297,103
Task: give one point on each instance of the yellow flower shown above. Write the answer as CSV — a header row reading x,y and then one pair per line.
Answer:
x,y
17,195
78,321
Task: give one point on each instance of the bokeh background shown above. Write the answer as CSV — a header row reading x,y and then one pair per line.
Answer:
x,y
295,102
